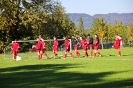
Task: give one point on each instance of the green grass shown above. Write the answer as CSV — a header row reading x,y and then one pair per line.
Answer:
x,y
109,71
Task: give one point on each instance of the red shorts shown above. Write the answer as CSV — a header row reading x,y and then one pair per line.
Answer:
x,y
85,48
91,45
42,49
14,50
76,47
116,46
96,47
67,49
55,48
38,50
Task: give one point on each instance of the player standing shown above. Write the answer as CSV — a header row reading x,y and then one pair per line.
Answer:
x,y
90,43
14,48
43,47
83,44
55,47
75,45
67,47
96,45
116,44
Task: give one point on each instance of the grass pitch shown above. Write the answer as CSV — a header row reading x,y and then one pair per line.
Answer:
x,y
109,71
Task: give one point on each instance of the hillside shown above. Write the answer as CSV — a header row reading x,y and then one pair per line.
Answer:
x,y
126,18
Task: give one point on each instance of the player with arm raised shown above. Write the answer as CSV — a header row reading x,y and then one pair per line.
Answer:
x,y
96,45
55,47
116,44
83,44
75,45
14,48
67,47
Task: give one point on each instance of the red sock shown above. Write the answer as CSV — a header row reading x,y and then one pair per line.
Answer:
x,y
14,57
65,55
119,52
77,53
38,57
94,54
71,54
86,54
91,53
45,54
98,53
56,54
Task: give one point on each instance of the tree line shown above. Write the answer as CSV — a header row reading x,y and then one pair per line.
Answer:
x,y
107,31
26,19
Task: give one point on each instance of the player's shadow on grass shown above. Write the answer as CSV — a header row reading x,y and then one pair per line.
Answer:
x,y
108,55
127,55
56,76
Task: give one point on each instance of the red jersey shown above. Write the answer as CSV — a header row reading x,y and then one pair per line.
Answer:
x,y
39,45
15,46
117,42
55,43
66,43
96,42
43,44
83,43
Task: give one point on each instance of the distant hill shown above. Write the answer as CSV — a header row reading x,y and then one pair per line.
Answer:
x,y
126,18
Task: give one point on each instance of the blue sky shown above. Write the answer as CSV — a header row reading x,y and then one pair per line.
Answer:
x,y
92,7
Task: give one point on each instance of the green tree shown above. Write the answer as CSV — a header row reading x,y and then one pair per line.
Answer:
x,y
99,27
121,30
130,32
110,33
80,28
25,19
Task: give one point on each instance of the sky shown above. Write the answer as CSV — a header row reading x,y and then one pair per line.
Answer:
x,y
93,7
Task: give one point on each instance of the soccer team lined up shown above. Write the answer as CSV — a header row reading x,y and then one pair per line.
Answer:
x,y
84,43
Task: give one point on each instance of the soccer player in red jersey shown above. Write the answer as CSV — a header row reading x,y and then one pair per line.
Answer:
x,y
14,48
96,45
75,45
90,43
43,47
67,47
83,44
55,47
116,45
38,47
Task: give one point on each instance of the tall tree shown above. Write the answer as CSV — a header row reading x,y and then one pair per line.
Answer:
x,y
26,19
80,28
130,32
121,30
99,27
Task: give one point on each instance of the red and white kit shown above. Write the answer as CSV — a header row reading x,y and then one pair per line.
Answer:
x,y
84,45
117,43
67,48
55,47
14,49
96,44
